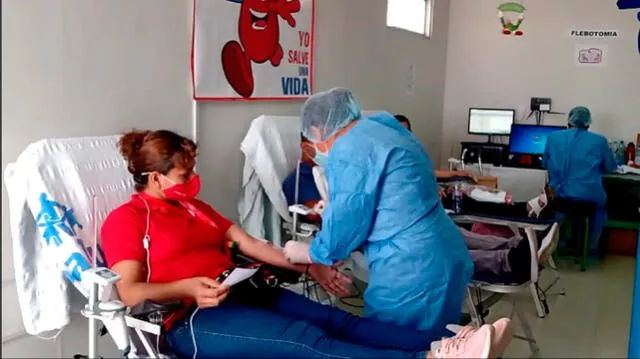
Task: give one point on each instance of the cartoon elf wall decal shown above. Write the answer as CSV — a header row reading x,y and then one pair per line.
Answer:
x,y
509,27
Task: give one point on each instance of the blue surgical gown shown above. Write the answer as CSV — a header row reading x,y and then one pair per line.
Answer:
x,y
576,160
383,199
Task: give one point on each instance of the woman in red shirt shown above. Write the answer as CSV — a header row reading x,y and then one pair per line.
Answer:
x,y
167,245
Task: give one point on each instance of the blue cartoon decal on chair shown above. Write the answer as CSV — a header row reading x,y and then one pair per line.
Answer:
x,y
59,220
54,216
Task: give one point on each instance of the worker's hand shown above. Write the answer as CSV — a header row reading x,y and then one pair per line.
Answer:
x,y
297,252
331,279
441,192
206,291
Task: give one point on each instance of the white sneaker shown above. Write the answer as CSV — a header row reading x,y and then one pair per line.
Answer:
x,y
503,332
475,344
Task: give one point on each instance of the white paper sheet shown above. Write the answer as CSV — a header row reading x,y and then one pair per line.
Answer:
x,y
238,275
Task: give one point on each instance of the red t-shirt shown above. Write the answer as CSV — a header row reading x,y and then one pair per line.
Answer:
x,y
181,245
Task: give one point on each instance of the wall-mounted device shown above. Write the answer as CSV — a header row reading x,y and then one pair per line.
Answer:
x,y
490,121
541,104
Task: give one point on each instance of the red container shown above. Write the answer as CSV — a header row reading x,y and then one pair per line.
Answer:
x,y
630,154
622,242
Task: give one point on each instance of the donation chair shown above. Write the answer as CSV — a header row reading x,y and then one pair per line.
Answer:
x,y
60,191
499,287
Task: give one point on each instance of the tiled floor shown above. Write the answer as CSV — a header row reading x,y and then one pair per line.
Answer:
x,y
590,320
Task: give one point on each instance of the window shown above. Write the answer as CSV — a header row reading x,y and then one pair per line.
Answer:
x,y
411,15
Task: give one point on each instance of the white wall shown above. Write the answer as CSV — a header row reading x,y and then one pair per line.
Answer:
x,y
488,69
140,49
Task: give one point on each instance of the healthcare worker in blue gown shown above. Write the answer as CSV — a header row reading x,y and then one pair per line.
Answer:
x,y
383,199
576,160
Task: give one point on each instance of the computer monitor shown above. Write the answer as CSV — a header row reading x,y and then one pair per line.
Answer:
x,y
530,139
490,121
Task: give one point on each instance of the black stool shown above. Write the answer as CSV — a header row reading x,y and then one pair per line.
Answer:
x,y
577,215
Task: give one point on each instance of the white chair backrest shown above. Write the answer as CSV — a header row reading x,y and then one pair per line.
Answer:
x,y
272,148
58,179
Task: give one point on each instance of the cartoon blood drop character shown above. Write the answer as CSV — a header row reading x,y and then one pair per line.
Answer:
x,y
259,35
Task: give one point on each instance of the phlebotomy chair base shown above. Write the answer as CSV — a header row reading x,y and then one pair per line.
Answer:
x,y
498,288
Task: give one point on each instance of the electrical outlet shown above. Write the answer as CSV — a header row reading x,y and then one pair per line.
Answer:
x,y
542,104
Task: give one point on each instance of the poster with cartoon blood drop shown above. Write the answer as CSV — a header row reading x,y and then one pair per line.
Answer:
x,y
253,49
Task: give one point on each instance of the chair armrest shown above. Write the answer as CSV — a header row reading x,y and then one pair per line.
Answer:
x,y
149,307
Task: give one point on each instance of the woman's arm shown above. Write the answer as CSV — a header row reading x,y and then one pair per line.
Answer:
x,y
444,174
329,278
133,288
260,250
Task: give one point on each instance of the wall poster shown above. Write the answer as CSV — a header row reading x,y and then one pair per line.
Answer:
x,y
252,49
590,55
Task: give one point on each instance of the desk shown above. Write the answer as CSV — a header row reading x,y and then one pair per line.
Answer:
x,y
523,183
629,182
623,204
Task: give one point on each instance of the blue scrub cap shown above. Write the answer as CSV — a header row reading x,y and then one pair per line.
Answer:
x,y
329,112
580,117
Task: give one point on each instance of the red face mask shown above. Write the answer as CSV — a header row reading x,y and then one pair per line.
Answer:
x,y
183,191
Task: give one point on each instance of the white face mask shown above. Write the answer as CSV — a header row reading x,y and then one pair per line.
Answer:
x,y
320,158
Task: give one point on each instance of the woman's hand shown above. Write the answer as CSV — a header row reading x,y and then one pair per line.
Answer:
x,y
330,279
206,291
319,207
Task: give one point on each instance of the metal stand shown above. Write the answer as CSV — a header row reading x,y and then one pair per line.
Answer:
x,y
111,313
93,335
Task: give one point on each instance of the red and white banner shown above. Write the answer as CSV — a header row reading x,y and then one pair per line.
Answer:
x,y
252,49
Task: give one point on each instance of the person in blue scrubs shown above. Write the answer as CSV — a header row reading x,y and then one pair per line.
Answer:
x,y
307,193
383,199
576,160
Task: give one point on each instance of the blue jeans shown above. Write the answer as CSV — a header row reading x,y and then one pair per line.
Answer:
x,y
292,327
